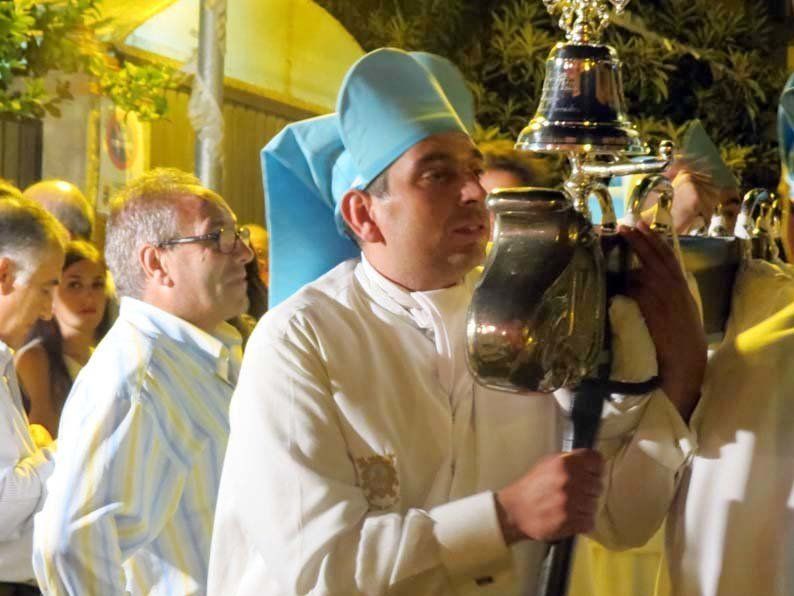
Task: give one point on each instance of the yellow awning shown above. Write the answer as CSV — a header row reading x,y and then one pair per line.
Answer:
x,y
290,50
128,15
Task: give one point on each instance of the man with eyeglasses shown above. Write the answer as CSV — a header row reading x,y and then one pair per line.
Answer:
x,y
144,430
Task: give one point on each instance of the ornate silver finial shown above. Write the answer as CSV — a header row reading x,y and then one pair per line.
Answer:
x,y
584,20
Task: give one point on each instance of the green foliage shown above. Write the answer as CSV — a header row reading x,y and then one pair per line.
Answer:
x,y
139,89
37,38
682,59
430,25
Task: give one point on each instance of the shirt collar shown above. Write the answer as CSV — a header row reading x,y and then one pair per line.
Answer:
x,y
395,296
418,306
223,346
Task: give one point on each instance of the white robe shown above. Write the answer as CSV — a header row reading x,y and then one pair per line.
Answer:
x,y
731,529
362,456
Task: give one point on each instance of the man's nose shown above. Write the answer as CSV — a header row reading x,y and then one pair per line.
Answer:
x,y
472,190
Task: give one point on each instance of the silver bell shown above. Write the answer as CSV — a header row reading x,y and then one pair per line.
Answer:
x,y
582,108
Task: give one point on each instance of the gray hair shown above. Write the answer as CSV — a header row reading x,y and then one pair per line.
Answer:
x,y
146,211
69,206
27,232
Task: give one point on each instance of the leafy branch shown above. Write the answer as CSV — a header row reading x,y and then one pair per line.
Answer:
x,y
682,59
38,38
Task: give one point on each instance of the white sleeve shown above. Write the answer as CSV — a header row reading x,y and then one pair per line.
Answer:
x,y
22,479
22,490
644,460
289,504
643,438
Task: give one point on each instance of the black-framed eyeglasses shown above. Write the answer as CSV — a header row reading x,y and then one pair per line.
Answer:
x,y
225,239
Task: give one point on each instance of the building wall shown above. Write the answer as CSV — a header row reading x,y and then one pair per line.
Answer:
x,y
20,151
250,122
292,49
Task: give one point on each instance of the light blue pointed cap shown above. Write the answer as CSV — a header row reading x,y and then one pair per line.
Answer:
x,y
454,85
698,149
389,101
300,165
785,129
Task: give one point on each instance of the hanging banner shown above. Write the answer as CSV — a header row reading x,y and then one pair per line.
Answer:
x,y
124,143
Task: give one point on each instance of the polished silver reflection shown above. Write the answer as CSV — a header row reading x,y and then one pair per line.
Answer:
x,y
759,220
536,320
662,218
582,108
586,180
781,216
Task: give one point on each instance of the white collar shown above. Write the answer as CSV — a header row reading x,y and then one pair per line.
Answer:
x,y
151,320
427,309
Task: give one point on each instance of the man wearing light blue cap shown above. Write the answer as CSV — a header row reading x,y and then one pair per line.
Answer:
x,y
301,192
363,458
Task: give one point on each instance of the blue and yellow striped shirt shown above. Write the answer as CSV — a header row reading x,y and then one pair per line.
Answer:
x,y
141,444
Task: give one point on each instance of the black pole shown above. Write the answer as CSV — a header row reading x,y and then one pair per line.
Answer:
x,y
588,402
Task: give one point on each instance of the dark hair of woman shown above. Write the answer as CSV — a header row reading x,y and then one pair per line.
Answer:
x,y
257,291
48,333
257,302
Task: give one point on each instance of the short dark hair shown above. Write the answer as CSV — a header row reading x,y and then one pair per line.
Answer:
x,y
531,170
379,187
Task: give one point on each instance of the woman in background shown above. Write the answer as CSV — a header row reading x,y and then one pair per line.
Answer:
x,y
257,302
58,348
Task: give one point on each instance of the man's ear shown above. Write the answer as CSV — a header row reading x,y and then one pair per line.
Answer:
x,y
356,209
7,276
154,266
